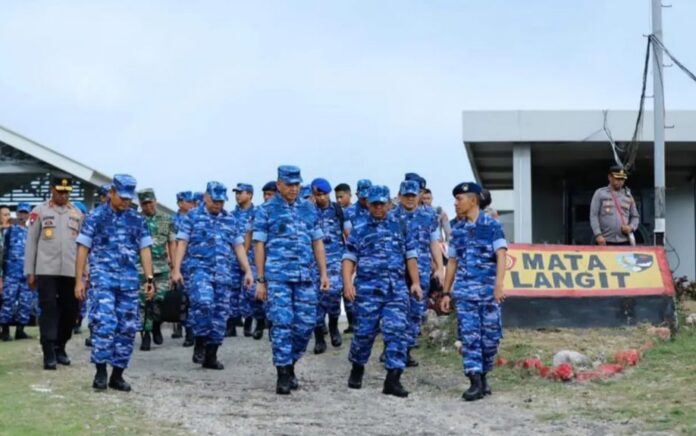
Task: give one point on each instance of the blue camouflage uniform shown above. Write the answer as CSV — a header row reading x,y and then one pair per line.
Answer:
x,y
288,231
114,239
424,224
354,214
83,304
212,274
17,298
474,246
379,249
249,305
329,303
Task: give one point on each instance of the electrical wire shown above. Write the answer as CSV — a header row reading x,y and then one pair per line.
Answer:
x,y
632,147
655,40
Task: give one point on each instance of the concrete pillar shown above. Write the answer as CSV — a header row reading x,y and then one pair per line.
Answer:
x,y
522,185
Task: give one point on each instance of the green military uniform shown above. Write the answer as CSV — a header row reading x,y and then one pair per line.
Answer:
x,y
161,229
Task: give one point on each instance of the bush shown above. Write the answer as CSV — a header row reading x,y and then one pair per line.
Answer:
x,y
684,288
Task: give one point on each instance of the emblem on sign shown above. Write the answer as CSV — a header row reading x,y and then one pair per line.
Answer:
x,y
635,262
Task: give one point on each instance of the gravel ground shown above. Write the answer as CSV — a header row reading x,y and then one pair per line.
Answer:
x,y
241,399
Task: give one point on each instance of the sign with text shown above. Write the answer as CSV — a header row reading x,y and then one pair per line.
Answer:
x,y
586,271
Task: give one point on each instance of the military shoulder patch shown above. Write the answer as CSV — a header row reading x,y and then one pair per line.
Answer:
x,y
33,217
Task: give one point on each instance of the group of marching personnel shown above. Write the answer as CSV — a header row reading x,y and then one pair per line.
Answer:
x,y
284,265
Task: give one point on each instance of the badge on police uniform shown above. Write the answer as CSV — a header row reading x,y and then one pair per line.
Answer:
x,y
48,233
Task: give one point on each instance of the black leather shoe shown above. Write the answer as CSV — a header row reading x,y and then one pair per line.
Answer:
x,y
157,333
248,324
410,361
392,384
486,387
49,355
475,391
294,384
335,334
319,342
5,335
62,356
117,382
188,340
210,361
145,341
258,331
356,376
21,334
99,382
283,382
231,330
199,350
176,331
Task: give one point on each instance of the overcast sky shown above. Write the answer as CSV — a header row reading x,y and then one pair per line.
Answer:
x,y
178,93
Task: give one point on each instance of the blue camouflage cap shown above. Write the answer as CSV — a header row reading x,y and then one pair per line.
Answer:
x,y
184,196
270,186
466,188
124,184
198,196
80,206
104,189
217,191
244,187
414,176
24,207
378,194
305,191
289,174
321,185
409,187
363,187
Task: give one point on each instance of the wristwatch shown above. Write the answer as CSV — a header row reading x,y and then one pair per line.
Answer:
x,y
260,280
150,280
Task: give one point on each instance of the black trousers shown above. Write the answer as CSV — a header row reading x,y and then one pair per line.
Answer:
x,y
59,308
619,243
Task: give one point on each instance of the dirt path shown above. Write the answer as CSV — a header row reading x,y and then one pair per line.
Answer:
x,y
241,399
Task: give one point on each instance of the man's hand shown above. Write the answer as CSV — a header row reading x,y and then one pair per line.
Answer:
x,y
416,291
499,293
446,303
439,276
79,290
626,229
601,240
349,292
149,291
325,284
176,277
248,280
261,292
31,281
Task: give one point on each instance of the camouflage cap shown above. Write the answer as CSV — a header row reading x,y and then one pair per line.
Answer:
x,y
198,196
289,174
409,187
24,207
104,189
377,194
217,191
124,184
145,195
184,196
363,187
305,192
244,187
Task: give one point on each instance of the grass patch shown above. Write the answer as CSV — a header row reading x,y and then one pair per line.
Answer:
x,y
62,402
659,392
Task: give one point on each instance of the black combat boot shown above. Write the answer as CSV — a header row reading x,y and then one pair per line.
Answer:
x,y
5,333
283,383
61,355
176,331
475,391
211,361
77,330
145,341
392,384
88,341
49,355
116,380
336,339
319,342
20,333
188,340
349,329
324,329
294,384
410,361
248,324
231,330
258,331
157,333
199,350
484,383
100,377
356,376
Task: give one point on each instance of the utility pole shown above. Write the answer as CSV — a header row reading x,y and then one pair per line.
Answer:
x,y
659,125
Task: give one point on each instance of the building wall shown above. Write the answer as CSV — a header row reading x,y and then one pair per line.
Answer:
x,y
681,229
547,211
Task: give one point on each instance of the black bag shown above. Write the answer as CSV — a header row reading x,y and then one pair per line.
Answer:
x,y
173,308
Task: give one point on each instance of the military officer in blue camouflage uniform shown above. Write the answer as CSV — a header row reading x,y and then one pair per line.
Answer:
x,y
382,248
355,213
209,237
252,309
335,228
476,267
185,202
197,198
425,226
114,236
17,298
286,236
269,190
